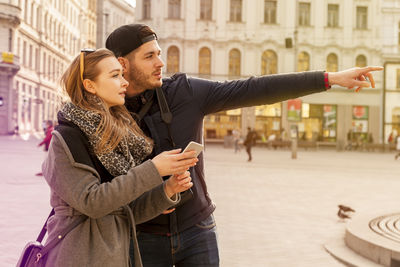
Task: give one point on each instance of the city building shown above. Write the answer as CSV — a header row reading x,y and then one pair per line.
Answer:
x,y
230,39
42,39
391,61
110,15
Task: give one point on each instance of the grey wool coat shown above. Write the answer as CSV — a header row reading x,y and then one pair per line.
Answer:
x,y
103,239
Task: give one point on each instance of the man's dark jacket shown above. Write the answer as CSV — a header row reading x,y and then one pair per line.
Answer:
x,y
190,99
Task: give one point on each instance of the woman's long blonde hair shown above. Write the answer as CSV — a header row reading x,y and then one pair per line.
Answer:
x,y
115,121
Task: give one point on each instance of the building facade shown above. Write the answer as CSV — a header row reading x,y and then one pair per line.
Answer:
x,y
230,39
44,36
110,15
391,61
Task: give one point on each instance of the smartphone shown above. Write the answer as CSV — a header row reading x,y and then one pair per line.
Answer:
x,y
194,146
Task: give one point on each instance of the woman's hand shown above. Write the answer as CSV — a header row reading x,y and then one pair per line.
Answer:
x,y
173,162
178,183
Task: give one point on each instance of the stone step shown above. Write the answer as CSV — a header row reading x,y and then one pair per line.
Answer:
x,y
338,249
375,237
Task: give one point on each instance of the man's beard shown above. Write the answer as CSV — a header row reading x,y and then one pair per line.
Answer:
x,y
141,81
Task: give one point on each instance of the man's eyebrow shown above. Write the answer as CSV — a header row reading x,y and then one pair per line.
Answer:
x,y
152,52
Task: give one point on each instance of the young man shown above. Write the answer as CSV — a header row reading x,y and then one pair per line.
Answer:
x,y
186,235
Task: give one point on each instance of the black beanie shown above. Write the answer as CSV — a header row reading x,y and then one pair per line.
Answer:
x,y
126,38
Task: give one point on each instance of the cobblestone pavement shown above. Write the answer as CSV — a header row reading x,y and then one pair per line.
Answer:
x,y
273,211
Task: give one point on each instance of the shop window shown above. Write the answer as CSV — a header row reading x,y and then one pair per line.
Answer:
x,y
360,123
173,59
273,110
268,121
329,123
269,62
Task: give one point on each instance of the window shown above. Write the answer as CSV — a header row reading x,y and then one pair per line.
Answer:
x,y
398,79
303,62
32,14
269,63
304,14
205,61
332,63
26,11
361,61
333,16
38,19
174,9
236,11
234,62
399,35
44,64
173,59
270,11
362,17
24,54
37,60
206,9
146,9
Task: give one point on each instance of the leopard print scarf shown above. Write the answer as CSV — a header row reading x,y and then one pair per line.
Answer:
x,y
131,151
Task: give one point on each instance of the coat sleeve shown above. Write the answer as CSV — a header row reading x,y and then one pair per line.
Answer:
x,y
79,185
214,96
151,204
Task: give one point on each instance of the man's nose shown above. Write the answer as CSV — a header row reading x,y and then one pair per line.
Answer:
x,y
160,62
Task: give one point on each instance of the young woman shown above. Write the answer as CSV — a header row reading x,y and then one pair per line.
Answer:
x,y
94,169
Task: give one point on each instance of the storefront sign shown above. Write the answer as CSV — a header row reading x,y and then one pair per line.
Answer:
x,y
7,57
294,110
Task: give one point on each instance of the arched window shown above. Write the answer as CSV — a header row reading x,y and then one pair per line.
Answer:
x,y
234,62
361,61
303,61
173,59
332,62
204,61
269,63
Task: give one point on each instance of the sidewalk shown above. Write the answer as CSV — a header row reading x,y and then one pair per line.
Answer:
x,y
273,212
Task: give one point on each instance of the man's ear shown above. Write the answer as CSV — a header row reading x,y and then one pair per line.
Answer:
x,y
89,86
124,63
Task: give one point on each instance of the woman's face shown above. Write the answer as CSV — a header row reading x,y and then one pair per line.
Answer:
x,y
110,85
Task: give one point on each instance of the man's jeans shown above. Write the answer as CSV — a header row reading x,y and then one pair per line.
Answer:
x,y
196,246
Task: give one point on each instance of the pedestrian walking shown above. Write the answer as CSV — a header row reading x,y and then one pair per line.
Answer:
x,y
236,139
249,142
47,138
172,110
95,172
